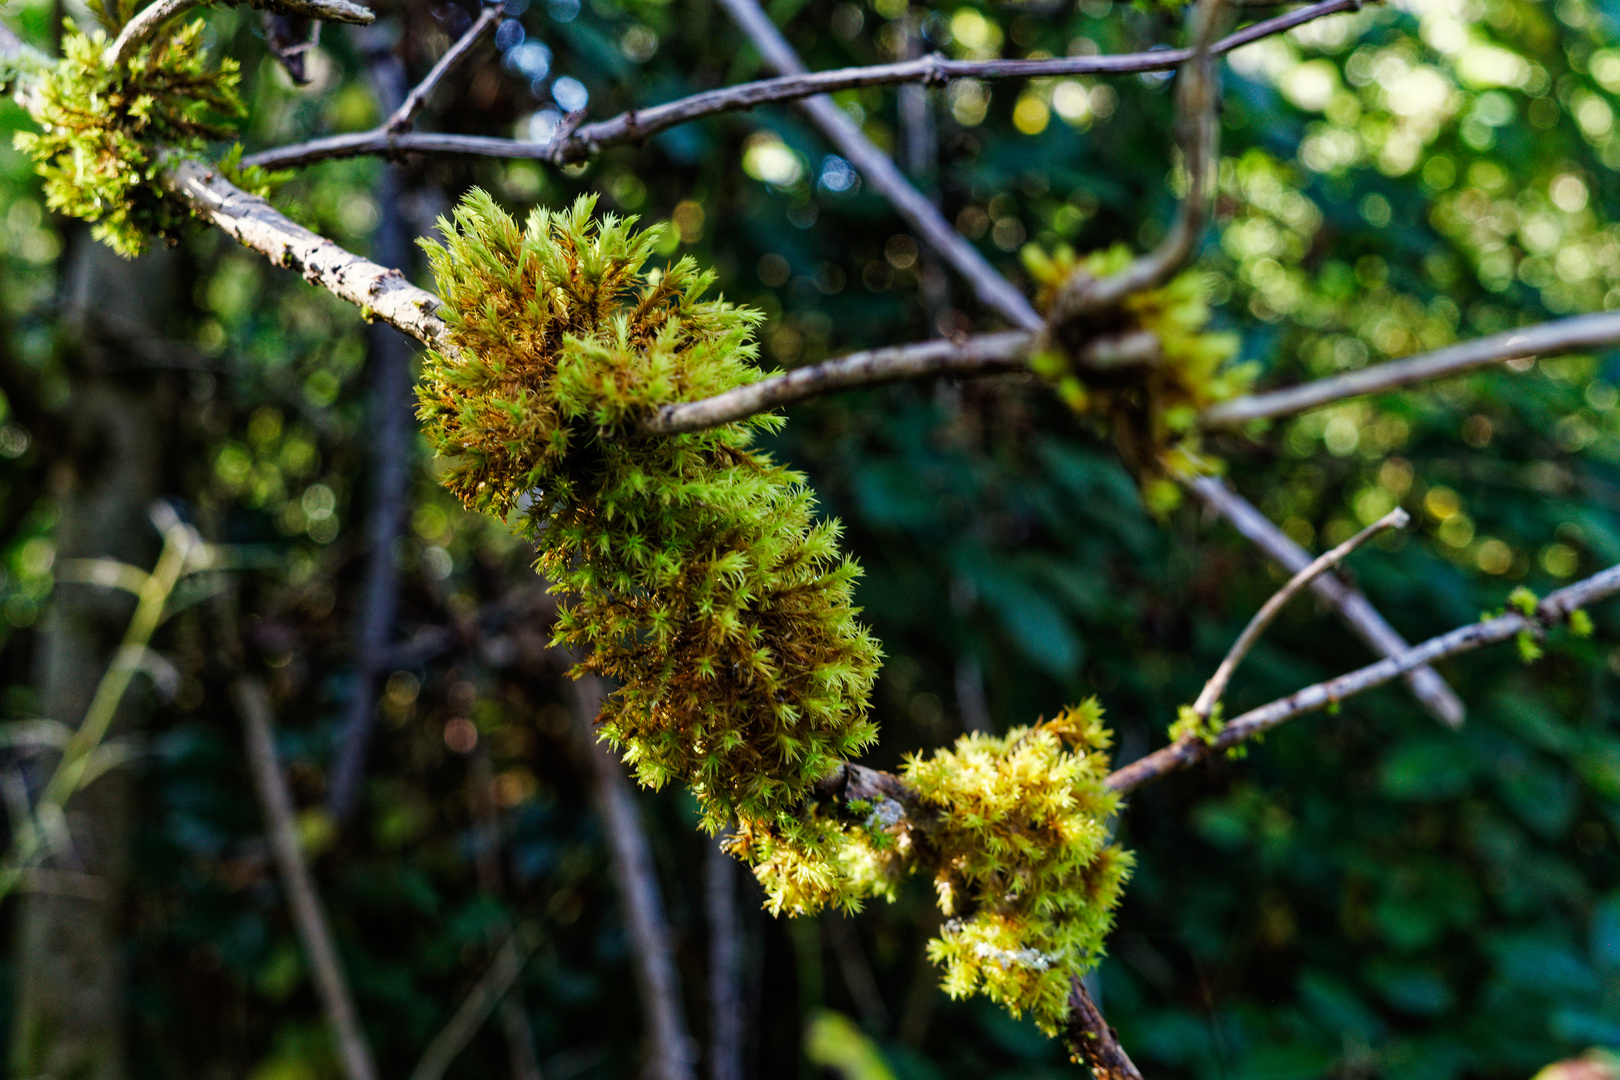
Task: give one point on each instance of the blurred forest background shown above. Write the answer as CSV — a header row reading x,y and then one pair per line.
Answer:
x,y
1366,895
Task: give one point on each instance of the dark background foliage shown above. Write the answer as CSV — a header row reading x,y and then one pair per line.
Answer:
x,y
1364,895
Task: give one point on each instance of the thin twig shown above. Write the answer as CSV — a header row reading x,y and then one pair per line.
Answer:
x,y
985,354
1556,608
402,117
993,290
140,29
1544,339
636,125
1354,609
476,1007
672,1054
1198,100
1091,1041
380,292
309,917
1211,695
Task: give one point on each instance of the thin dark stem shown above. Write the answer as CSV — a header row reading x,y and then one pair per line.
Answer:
x,y
728,1035
401,118
1556,608
393,427
636,125
1091,1041
1198,99
253,702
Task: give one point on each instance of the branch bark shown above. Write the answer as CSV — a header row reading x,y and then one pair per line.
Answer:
x,y
1091,1041
144,25
1556,608
253,702
380,292
1544,339
637,125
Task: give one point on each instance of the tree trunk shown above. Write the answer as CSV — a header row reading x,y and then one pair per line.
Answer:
x,y
70,975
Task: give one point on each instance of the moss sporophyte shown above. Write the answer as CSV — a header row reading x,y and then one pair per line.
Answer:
x,y
693,569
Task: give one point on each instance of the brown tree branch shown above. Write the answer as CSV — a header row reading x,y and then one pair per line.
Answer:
x,y
400,119
1091,1041
1211,694
1544,339
636,125
1354,609
1556,608
309,917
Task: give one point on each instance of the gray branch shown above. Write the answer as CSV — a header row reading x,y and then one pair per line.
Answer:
x,y
1555,609
380,292
1211,694
1354,609
1544,339
636,125
144,25
994,291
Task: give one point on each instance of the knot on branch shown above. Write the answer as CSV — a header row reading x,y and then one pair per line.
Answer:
x,y
935,70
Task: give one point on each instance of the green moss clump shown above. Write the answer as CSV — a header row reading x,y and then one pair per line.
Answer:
x,y
1149,409
691,565
102,127
1022,860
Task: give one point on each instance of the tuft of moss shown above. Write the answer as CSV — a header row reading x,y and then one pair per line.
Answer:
x,y
1022,862
1149,410
102,128
692,566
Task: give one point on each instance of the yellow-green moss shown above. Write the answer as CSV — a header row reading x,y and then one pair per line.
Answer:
x,y
102,128
691,565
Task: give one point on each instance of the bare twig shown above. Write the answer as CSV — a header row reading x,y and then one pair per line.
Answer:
x,y
401,118
380,292
476,1008
308,915
140,29
1544,339
1353,608
672,1055
1198,99
1211,695
1091,1041
985,354
1556,608
994,291
636,125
